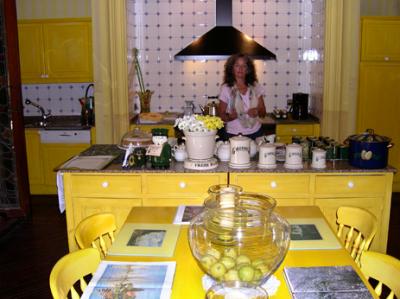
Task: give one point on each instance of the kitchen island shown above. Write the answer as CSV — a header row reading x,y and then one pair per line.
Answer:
x,y
117,190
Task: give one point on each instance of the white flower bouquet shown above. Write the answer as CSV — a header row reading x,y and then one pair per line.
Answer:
x,y
199,123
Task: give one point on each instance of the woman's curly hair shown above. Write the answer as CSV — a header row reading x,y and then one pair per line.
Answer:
x,y
251,76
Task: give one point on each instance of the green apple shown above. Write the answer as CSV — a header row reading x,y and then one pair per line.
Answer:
x,y
263,267
246,273
257,262
257,274
214,252
231,252
225,237
207,261
228,262
218,270
231,275
243,259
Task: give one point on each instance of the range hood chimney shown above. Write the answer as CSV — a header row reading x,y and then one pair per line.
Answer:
x,y
223,40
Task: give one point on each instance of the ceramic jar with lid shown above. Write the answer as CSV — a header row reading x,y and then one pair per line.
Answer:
x,y
294,156
240,152
318,158
267,156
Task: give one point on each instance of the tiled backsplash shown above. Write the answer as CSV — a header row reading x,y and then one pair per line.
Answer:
x,y
61,99
293,30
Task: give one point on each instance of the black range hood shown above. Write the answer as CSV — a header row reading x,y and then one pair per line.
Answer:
x,y
223,40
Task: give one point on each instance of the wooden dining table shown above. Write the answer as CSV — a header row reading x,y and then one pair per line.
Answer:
x,y
188,275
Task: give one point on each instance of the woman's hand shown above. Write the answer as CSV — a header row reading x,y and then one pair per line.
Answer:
x,y
253,112
222,107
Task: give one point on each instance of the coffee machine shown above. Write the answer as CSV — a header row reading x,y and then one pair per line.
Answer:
x,y
300,106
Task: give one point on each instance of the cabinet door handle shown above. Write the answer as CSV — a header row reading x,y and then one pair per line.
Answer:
x,y
105,184
294,130
273,184
42,76
386,58
182,185
350,184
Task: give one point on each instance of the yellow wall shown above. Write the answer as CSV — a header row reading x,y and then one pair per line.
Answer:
x,y
43,9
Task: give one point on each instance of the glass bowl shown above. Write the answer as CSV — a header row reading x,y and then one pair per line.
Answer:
x,y
241,245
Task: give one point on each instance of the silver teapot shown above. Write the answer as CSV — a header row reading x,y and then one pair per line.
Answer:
x,y
209,109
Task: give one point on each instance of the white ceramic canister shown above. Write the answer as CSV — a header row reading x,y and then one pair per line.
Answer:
x,y
294,154
240,152
267,156
318,158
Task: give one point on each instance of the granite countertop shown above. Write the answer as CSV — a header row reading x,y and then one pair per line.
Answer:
x,y
177,167
61,122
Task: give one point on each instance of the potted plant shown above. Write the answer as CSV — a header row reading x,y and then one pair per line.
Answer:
x,y
144,94
200,133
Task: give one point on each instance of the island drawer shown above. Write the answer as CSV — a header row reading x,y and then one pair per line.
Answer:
x,y
368,185
184,185
273,184
293,130
114,186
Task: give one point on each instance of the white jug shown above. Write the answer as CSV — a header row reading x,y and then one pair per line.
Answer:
x,y
240,152
179,152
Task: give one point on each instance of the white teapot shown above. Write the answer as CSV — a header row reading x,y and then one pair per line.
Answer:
x,y
179,152
223,150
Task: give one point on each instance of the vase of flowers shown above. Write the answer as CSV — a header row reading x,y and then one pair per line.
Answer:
x,y
200,134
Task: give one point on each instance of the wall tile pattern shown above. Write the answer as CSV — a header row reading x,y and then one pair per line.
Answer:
x,y
60,99
291,29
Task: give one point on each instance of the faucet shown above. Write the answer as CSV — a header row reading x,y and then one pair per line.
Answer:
x,y
44,115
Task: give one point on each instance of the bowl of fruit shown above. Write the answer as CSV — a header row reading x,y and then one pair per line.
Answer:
x,y
240,246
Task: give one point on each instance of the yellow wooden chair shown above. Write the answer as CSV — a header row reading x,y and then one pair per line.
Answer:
x,y
96,231
356,228
70,269
383,268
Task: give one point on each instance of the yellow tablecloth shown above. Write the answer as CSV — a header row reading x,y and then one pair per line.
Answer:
x,y
188,275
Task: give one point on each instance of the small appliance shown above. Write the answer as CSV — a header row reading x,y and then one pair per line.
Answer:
x,y
300,106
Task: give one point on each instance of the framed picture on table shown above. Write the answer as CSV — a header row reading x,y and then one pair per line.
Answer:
x,y
146,239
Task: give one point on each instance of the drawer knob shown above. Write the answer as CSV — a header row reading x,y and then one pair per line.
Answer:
x,y
273,184
350,184
294,130
182,185
386,58
105,184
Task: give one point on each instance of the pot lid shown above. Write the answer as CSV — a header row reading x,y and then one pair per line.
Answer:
x,y
240,138
137,137
369,136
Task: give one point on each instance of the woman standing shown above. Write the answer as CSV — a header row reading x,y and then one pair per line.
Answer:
x,y
241,100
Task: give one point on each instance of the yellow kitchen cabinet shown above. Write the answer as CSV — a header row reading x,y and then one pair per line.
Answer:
x,y
55,50
327,191
179,189
53,155
285,132
379,87
34,158
380,39
287,189
90,193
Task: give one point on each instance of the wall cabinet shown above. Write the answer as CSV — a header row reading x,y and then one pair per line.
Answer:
x,y
379,83
285,132
43,158
90,193
371,191
54,51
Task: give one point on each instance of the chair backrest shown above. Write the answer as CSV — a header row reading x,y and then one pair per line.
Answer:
x,y
356,228
96,231
70,269
383,268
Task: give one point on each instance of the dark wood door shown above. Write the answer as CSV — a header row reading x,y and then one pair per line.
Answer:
x,y
14,185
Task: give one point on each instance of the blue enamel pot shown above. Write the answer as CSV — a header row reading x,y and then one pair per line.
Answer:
x,y
369,150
